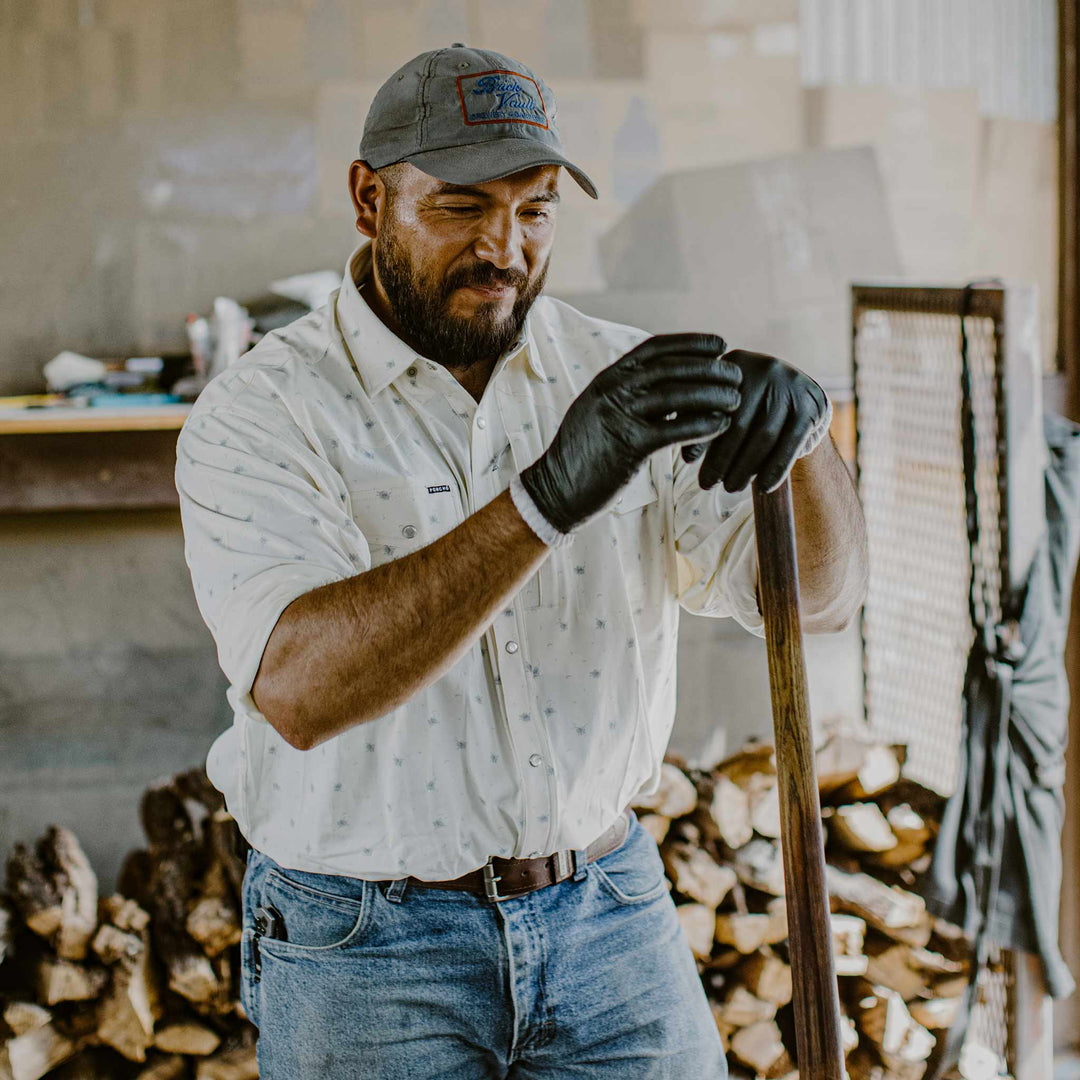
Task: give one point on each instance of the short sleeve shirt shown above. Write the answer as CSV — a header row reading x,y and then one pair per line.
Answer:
x,y
331,448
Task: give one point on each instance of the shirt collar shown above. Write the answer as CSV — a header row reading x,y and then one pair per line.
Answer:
x,y
378,354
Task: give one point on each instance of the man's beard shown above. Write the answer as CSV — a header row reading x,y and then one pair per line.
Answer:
x,y
420,306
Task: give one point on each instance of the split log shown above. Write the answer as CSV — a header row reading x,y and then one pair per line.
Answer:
x,y
848,934
754,760
889,965
900,914
173,1067
778,922
33,1054
59,980
698,922
730,809
850,965
228,848
937,1014
879,771
908,826
766,976
127,1012
765,811
111,944
949,986
675,796
760,865
54,889
861,827
747,933
695,874
125,914
760,1046
884,1019
740,1008
187,1038
901,856
238,1064
838,761
24,1016
214,921
849,1035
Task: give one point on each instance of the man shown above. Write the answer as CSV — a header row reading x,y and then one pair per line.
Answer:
x,y
441,529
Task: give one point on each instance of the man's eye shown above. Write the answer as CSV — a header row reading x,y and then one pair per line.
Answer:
x,y
460,209
535,214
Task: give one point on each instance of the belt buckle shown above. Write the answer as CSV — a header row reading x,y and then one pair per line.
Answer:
x,y
491,880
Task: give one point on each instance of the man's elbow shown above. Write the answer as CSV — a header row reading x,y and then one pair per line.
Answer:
x,y
280,713
838,613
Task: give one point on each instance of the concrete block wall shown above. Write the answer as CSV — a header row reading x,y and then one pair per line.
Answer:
x,y
155,154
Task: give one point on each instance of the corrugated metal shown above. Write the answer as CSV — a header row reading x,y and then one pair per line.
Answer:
x,y
1005,48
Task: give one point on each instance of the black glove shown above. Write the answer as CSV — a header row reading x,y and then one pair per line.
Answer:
x,y
621,418
784,414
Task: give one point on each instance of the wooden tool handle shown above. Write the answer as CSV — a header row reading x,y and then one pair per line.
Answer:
x,y
817,1006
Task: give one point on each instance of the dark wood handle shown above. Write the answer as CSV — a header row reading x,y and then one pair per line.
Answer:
x,y
817,1005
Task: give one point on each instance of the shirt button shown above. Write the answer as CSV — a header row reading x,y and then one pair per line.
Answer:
x,y
535,759
411,373
511,646
481,422
408,531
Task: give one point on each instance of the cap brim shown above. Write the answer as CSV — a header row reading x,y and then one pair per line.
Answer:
x,y
492,160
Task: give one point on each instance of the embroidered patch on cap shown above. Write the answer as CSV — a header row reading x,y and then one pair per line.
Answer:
x,y
501,97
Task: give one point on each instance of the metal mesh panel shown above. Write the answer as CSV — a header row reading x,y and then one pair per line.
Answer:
x,y
916,626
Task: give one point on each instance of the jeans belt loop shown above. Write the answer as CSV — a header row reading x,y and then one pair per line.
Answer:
x,y
395,893
581,860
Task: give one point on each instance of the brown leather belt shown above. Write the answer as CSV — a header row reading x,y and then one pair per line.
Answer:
x,y
502,879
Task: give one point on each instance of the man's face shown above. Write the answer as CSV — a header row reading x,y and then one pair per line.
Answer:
x,y
461,266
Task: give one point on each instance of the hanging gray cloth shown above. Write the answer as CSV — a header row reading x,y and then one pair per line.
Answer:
x,y
997,862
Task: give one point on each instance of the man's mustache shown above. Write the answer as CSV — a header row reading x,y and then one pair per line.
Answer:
x,y
486,275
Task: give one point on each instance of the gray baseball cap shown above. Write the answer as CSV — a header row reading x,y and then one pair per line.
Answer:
x,y
465,116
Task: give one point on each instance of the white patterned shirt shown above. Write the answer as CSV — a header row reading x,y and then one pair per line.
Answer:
x,y
331,447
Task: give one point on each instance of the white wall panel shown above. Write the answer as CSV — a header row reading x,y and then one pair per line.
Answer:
x,y
1007,49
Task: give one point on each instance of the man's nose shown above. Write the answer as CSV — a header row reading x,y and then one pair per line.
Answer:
x,y
499,242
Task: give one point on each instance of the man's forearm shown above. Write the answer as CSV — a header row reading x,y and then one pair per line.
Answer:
x,y
831,540
353,650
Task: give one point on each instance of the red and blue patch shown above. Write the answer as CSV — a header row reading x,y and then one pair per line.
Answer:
x,y
501,97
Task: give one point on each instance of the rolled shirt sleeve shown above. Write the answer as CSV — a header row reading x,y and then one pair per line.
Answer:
x,y
716,549
265,520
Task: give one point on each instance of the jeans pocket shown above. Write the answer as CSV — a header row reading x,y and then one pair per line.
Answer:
x,y
634,872
314,921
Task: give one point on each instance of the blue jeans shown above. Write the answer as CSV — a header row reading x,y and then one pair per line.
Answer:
x,y
380,980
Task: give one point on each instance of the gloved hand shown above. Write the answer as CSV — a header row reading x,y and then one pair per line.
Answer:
x,y
784,414
618,420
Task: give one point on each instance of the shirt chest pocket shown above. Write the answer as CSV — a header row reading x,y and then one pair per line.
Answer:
x,y
402,516
634,530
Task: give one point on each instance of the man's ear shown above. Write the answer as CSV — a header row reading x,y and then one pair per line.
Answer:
x,y
367,195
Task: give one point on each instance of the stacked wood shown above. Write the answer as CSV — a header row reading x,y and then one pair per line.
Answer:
x,y
141,984
901,972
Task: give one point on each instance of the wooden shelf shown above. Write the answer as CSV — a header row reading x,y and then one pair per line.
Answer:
x,y
89,459
60,420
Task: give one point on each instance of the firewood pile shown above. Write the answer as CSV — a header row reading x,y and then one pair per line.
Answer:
x,y
901,972
143,983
